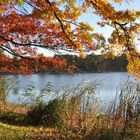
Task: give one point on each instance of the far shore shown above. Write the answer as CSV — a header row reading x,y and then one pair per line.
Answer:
x,y
67,73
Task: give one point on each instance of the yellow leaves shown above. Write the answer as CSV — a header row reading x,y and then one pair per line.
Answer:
x,y
77,12
98,2
130,15
43,15
118,1
73,3
60,14
20,2
134,63
125,16
3,1
71,9
102,8
83,55
138,14
134,67
1,10
110,54
87,26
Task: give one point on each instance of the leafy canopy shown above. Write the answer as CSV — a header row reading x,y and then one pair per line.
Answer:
x,y
54,25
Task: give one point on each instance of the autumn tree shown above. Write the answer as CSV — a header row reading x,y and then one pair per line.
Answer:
x,y
53,24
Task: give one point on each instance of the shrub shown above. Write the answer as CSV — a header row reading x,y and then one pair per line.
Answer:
x,y
12,117
72,109
36,113
49,115
127,105
8,116
40,112
53,114
123,116
104,134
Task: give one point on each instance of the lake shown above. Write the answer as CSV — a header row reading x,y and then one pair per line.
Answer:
x,y
110,82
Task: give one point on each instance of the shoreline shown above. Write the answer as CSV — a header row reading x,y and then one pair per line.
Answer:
x,y
66,73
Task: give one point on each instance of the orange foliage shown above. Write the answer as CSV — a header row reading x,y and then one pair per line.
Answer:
x,y
54,25
29,66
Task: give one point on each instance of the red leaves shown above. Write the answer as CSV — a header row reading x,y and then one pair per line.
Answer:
x,y
33,65
53,25
19,34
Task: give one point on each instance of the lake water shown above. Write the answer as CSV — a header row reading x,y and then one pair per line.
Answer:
x,y
110,82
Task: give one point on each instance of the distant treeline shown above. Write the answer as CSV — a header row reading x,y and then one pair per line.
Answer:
x,y
96,63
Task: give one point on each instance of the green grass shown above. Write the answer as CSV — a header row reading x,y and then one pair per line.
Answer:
x,y
10,132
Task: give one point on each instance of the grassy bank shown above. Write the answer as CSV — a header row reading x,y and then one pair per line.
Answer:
x,y
14,127
12,132
73,114
104,128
